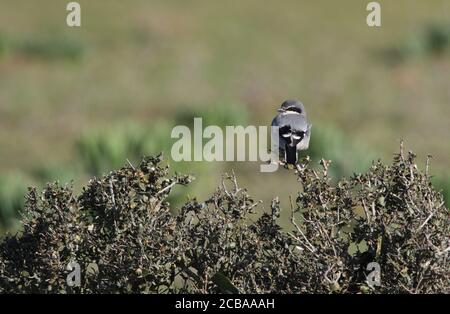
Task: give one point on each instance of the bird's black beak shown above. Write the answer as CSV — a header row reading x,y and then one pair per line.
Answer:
x,y
281,110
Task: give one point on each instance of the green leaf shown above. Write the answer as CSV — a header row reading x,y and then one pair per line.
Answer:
x,y
362,246
224,283
352,249
92,269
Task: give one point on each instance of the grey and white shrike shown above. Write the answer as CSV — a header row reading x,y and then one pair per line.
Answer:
x,y
294,130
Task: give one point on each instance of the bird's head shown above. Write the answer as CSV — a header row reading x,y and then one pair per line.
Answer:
x,y
292,106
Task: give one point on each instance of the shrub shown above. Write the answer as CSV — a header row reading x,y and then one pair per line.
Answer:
x,y
119,226
122,233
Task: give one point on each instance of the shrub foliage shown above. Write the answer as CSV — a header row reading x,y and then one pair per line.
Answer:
x,y
121,232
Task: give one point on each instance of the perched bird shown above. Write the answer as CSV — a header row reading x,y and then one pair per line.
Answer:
x,y
294,130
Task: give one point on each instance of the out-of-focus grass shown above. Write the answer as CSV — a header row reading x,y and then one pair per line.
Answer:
x,y
53,173
44,46
13,188
3,44
432,40
438,38
49,47
100,151
347,155
221,114
105,150
442,183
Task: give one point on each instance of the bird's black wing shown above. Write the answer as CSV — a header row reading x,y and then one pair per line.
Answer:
x,y
291,154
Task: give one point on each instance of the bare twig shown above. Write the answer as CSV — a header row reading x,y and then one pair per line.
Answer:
x,y
401,149
309,245
111,191
366,212
425,222
167,187
427,165
131,165
444,251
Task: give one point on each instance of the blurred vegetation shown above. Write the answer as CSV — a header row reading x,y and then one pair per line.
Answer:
x,y
52,173
44,46
100,152
348,156
443,184
13,188
221,114
49,47
432,40
3,44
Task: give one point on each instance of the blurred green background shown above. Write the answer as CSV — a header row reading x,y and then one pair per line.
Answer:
x,y
77,102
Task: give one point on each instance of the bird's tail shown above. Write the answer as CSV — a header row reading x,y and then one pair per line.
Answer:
x,y
291,154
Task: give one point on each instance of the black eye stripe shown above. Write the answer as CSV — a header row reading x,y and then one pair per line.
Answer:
x,y
295,109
